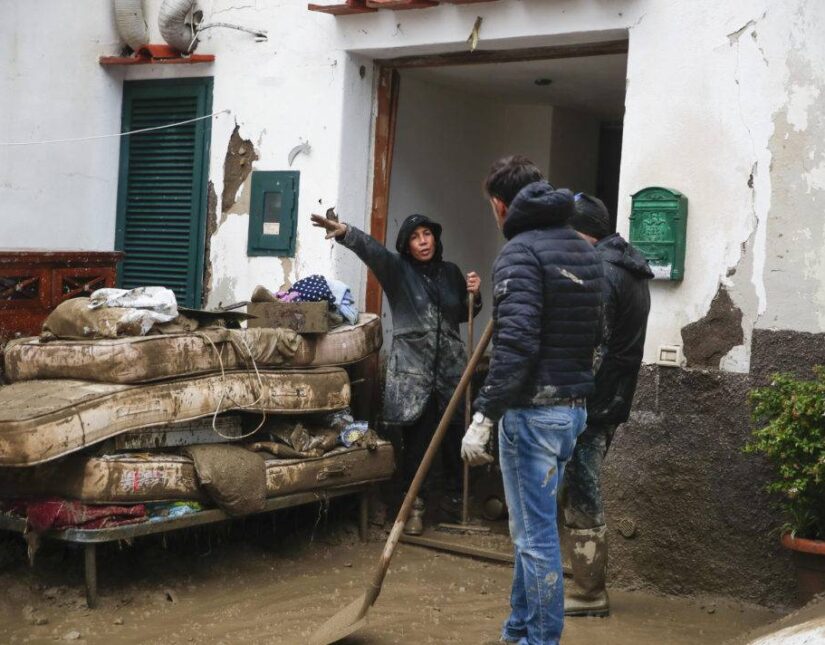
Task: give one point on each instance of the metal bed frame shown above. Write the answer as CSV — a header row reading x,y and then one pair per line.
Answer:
x,y
90,538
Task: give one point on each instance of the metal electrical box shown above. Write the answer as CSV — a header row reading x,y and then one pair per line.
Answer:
x,y
658,228
273,219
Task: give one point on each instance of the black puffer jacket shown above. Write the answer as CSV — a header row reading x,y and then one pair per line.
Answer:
x,y
428,301
626,306
547,285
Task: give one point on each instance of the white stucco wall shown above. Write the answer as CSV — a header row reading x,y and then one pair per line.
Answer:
x,y
58,196
724,103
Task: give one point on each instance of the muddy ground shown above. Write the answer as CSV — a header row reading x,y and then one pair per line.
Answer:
x,y
272,580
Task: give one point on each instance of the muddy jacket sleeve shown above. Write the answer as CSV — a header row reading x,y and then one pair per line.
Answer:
x,y
382,262
517,312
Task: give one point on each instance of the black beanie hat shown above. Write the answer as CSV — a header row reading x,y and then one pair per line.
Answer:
x,y
591,216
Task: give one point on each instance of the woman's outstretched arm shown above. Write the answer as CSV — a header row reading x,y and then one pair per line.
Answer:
x,y
382,262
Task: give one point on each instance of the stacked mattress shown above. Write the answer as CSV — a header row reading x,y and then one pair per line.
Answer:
x,y
143,359
75,407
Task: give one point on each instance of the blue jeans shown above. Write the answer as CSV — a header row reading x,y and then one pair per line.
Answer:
x,y
535,444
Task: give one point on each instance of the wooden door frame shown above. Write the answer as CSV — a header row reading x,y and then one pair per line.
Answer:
x,y
388,91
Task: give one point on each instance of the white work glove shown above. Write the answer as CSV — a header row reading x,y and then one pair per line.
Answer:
x,y
474,444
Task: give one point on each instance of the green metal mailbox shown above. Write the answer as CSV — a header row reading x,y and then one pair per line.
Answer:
x,y
658,228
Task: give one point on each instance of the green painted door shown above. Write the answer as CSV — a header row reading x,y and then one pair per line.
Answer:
x,y
161,206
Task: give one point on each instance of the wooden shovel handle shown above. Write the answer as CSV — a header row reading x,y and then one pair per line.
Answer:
x,y
392,541
468,415
468,400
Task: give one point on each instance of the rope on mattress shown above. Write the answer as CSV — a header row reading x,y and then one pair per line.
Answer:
x,y
260,383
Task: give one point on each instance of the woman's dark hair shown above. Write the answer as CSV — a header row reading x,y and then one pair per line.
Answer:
x,y
509,175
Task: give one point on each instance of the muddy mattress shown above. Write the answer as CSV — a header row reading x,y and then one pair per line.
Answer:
x,y
346,344
44,420
143,477
144,359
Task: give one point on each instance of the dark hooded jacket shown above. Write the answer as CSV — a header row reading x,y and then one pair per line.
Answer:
x,y
626,306
547,286
428,301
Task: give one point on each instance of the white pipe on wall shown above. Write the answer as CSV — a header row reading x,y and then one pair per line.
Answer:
x,y
173,27
131,24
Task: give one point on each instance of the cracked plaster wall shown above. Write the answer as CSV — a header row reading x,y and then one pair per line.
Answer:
x,y
714,137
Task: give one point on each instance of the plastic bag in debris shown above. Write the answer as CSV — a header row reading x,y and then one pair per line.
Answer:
x,y
337,420
158,299
160,511
309,440
353,433
294,435
146,305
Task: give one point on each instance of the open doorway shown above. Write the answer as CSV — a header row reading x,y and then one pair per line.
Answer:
x,y
452,121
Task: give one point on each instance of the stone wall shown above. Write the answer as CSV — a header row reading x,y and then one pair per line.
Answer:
x,y
687,509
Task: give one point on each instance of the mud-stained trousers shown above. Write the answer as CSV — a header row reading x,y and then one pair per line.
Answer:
x,y
580,497
447,469
535,444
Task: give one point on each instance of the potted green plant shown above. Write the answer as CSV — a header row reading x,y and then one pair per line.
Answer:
x,y
790,418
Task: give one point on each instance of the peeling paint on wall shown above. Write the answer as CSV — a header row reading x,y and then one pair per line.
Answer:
x,y
801,100
240,155
795,259
706,341
211,227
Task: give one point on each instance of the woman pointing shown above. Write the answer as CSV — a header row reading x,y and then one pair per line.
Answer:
x,y
428,300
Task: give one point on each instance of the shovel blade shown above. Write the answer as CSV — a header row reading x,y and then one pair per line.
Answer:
x,y
347,621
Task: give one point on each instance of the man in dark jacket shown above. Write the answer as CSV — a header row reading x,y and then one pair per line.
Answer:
x,y
626,306
547,284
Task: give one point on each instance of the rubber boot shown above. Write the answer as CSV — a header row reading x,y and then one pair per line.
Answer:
x,y
585,593
415,522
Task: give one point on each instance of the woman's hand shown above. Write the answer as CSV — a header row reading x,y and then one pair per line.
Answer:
x,y
473,283
333,227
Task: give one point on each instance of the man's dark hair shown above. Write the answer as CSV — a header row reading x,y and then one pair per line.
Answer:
x,y
509,175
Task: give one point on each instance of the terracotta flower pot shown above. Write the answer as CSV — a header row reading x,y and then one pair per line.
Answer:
x,y
809,558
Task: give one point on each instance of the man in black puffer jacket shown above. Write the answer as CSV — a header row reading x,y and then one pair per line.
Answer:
x,y
626,306
547,286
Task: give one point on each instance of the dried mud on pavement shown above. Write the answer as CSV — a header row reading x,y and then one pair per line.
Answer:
x,y
250,584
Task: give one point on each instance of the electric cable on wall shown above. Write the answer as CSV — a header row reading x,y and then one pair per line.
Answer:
x,y
116,134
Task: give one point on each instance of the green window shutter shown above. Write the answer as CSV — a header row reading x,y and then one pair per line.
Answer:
x,y
162,187
273,212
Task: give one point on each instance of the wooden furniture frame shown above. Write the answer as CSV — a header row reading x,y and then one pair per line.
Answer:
x,y
34,282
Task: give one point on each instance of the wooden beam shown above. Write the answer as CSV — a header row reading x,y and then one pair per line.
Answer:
x,y
486,56
449,546
397,5
387,100
348,8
